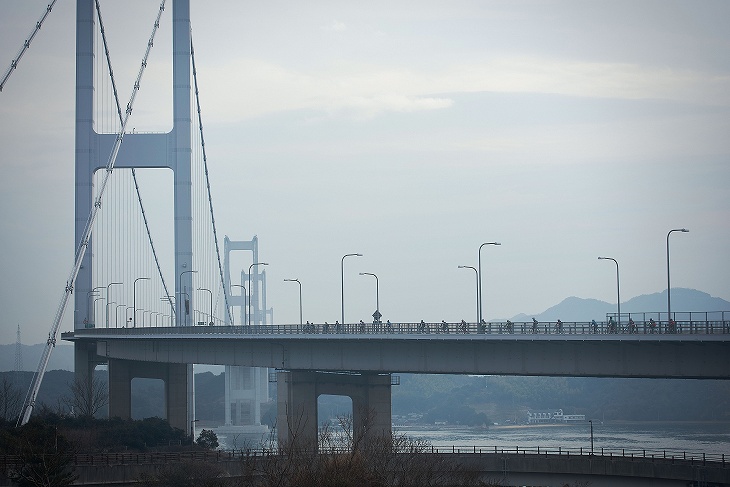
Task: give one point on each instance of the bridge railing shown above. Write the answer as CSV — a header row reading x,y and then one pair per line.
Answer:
x,y
718,459
439,329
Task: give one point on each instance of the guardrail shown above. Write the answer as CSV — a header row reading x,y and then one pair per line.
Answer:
x,y
651,327
160,458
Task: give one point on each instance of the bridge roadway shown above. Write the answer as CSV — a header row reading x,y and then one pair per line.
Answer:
x,y
357,360
694,351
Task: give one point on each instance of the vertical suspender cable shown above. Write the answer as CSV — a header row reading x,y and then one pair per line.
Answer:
x,y
134,174
30,399
207,180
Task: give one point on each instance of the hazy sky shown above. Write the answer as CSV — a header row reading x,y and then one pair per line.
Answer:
x,y
411,132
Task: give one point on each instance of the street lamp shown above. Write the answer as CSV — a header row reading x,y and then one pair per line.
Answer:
x,y
377,290
211,301
669,286
181,302
618,288
342,279
477,275
591,422
169,299
93,306
479,280
89,311
134,299
126,312
300,297
107,301
249,287
116,314
243,295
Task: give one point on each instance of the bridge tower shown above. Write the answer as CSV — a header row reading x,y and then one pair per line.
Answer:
x,y
170,150
246,388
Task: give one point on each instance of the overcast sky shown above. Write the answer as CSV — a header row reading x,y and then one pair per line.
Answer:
x,y
410,132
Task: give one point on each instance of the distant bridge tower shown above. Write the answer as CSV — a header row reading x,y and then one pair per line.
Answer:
x,y
170,150
246,388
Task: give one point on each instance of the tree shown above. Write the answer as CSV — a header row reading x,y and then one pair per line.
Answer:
x,y
87,396
45,457
11,399
207,439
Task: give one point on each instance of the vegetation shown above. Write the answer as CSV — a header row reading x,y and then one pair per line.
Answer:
x,y
345,459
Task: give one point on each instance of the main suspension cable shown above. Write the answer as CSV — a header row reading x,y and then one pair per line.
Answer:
x,y
30,399
26,45
207,180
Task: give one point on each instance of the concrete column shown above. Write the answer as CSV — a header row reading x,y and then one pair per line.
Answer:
x,y
296,414
371,406
175,376
297,404
85,361
120,389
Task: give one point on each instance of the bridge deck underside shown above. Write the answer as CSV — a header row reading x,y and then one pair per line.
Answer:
x,y
605,357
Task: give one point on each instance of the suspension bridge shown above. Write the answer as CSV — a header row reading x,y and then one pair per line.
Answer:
x,y
140,286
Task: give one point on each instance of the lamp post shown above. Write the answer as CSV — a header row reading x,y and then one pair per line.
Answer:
x,y
300,297
89,295
249,287
342,282
134,299
211,301
169,299
243,295
377,290
591,422
479,280
107,300
93,306
126,312
477,275
669,286
116,314
618,288
181,302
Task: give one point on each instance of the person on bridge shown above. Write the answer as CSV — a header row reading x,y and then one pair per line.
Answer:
x,y
362,326
559,326
594,326
652,325
422,327
632,325
326,327
444,327
510,326
464,328
612,325
389,327
534,325
482,326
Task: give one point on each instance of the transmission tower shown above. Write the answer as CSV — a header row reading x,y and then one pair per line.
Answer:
x,y
18,352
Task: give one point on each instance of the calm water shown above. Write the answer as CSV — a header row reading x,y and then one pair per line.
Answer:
x,y
712,438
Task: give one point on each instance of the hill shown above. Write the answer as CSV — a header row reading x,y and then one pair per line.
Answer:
x,y
580,309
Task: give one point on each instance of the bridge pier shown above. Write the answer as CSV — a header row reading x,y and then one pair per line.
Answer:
x,y
298,391
175,377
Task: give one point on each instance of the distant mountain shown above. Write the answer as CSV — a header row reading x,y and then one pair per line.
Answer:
x,y
580,309
62,357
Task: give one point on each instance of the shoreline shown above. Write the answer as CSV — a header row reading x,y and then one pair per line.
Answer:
x,y
426,427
